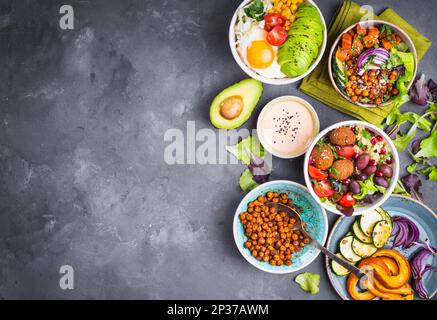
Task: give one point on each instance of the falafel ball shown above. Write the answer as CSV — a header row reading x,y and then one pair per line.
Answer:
x,y
341,169
323,157
343,136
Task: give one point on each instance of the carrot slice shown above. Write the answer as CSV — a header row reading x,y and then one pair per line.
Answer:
x,y
346,41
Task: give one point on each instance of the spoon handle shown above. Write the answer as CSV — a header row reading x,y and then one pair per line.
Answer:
x,y
337,259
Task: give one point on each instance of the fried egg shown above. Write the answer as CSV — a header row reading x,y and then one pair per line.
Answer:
x,y
259,55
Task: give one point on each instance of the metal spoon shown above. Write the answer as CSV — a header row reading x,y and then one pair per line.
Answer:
x,y
292,213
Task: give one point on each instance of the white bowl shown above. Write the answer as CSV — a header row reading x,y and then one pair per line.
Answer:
x,y
263,79
365,24
280,99
395,167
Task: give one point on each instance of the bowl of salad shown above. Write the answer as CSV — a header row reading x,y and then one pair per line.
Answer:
x,y
351,167
277,41
372,62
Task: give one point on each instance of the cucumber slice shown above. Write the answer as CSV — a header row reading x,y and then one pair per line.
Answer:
x,y
338,269
386,215
359,234
363,250
381,233
345,246
368,220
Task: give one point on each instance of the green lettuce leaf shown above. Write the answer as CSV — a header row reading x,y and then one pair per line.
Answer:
x,y
246,181
309,282
401,141
432,107
428,146
412,167
400,189
368,187
240,150
431,172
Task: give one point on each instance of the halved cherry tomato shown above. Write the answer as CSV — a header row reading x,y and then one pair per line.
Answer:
x,y
347,151
272,20
277,36
347,200
316,173
323,189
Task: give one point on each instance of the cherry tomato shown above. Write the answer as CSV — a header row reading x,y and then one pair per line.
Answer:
x,y
317,173
272,20
277,36
323,189
347,200
347,151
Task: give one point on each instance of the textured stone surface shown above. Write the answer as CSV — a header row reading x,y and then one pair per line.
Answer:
x,y
82,177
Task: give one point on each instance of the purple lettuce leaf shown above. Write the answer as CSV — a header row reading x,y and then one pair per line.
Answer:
x,y
412,184
419,91
259,168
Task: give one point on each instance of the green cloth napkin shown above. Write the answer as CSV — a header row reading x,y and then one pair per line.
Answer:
x,y
319,86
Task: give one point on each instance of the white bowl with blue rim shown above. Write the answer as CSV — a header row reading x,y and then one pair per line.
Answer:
x,y
313,215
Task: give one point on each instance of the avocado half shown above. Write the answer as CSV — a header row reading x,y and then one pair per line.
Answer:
x,y
233,106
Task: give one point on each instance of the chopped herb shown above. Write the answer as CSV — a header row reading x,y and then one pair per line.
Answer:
x,y
255,10
366,134
360,144
386,29
333,170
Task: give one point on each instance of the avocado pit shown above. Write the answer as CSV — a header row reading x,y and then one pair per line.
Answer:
x,y
231,107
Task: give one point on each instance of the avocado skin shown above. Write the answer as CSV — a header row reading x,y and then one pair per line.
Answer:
x,y
249,89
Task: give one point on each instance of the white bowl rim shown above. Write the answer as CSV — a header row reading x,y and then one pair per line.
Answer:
x,y
263,79
294,98
399,30
237,222
395,166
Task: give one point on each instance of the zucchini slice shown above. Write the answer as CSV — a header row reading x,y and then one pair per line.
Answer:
x,y
359,234
345,246
386,215
363,250
368,220
337,268
381,233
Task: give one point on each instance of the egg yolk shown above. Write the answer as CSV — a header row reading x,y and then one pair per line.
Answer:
x,y
260,54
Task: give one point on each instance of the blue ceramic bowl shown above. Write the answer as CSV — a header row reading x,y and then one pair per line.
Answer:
x,y
314,216
421,215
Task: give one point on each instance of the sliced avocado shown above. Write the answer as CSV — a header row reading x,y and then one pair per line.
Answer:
x,y
310,12
316,35
234,105
297,65
311,24
341,72
308,44
289,52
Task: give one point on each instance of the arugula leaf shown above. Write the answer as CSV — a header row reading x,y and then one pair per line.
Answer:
x,y
309,282
412,167
400,189
240,149
432,107
431,172
401,141
247,182
255,10
428,146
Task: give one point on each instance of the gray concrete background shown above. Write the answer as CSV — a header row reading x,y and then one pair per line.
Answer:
x,y
82,177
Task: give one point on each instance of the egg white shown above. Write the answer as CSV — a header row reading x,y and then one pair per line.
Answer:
x,y
274,70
